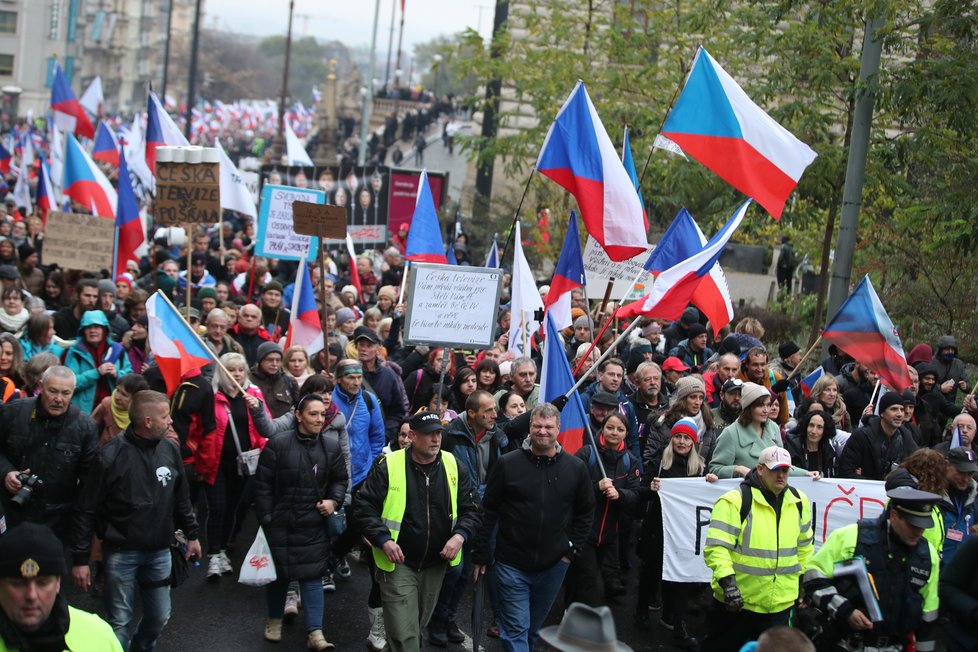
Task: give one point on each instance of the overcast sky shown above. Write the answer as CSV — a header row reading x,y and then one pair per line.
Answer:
x,y
350,22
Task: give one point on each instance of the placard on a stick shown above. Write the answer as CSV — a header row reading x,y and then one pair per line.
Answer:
x,y
452,306
78,241
308,218
188,185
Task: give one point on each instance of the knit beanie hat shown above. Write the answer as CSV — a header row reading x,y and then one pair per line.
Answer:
x,y
685,426
688,385
272,285
265,349
106,286
388,291
889,400
207,293
344,315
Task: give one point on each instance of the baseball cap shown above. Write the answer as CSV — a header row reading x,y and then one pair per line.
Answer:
x,y
606,399
963,459
673,363
732,385
425,422
365,333
775,457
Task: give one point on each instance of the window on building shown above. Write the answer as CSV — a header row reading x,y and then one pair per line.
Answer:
x,y
8,22
6,65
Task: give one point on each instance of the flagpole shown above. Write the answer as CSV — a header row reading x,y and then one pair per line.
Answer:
x,y
404,278
595,340
115,251
665,116
604,355
803,358
516,216
202,343
322,284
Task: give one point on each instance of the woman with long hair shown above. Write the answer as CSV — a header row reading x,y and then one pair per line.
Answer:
x,y
55,294
739,446
687,401
11,360
679,459
297,364
463,385
826,392
929,468
487,376
810,444
39,337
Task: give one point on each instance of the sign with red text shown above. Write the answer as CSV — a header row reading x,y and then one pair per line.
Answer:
x,y
688,502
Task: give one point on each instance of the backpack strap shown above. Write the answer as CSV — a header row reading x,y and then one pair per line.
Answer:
x,y
747,501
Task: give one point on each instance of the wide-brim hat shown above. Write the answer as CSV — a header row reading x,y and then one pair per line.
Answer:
x,y
584,629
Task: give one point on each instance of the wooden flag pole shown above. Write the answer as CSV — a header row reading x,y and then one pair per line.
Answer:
x,y
190,278
803,358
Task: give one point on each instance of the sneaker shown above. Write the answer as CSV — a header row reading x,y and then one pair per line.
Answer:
x,y
343,568
291,606
273,630
222,558
329,586
213,567
454,634
316,641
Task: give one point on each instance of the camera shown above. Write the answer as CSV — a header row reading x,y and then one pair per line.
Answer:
x,y
28,483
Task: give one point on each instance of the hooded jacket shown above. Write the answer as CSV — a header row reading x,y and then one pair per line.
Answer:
x,y
79,359
364,428
478,458
952,369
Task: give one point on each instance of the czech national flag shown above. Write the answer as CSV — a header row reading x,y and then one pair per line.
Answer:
x,y
492,259
305,329
556,380
5,158
715,122
354,272
177,349
85,183
45,192
106,145
424,243
69,115
681,240
579,155
808,381
629,163
160,130
568,274
130,228
674,288
862,329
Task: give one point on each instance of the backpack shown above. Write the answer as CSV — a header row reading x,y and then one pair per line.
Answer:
x,y
747,501
592,460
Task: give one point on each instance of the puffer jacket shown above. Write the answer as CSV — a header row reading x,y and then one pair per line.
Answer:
x,y
210,459
79,359
365,429
294,473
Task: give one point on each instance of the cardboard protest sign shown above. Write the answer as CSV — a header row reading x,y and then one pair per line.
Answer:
x,y
600,269
276,237
309,219
78,241
452,306
188,193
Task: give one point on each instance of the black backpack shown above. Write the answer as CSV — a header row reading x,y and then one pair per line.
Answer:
x,y
747,501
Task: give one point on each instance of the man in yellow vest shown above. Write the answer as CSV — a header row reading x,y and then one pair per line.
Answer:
x,y
416,508
759,540
33,613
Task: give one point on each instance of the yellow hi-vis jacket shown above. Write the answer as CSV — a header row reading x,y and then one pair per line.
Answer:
x,y
765,553
396,500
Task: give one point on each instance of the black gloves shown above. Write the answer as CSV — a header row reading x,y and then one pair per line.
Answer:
x,y
559,402
780,386
731,594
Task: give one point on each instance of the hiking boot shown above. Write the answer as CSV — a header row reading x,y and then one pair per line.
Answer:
x,y
316,641
273,630
329,586
213,567
453,633
683,638
291,606
437,633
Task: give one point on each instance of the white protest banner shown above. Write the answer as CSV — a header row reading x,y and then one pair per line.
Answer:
x,y
276,239
688,502
600,269
452,306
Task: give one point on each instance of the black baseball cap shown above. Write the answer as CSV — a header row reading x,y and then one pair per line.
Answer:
x,y
963,459
364,333
732,385
606,399
425,422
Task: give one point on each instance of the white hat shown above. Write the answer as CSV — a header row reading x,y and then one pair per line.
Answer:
x,y
774,457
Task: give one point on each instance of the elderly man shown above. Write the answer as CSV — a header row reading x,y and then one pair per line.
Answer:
x,y
964,425
524,374
959,508
135,497
46,448
728,365
33,613
249,332
648,399
280,389
417,508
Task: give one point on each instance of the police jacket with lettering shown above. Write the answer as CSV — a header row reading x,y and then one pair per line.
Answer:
x,y
134,498
58,450
905,579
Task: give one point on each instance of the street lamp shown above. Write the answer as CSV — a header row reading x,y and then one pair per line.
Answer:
x,y
437,69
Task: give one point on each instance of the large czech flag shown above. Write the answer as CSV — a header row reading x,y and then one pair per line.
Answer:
x,y
424,243
130,228
69,114
556,380
160,130
568,274
305,329
85,183
715,122
178,350
579,155
46,199
862,329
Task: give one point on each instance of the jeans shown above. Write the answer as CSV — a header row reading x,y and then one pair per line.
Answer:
x,y
149,571
312,600
525,599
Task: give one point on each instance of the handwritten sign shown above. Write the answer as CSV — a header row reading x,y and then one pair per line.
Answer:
x,y
308,218
452,306
188,193
77,241
276,237
600,269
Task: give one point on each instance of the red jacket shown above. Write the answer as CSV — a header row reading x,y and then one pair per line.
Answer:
x,y
209,453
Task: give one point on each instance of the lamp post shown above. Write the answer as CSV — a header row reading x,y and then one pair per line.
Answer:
x,y
368,98
437,69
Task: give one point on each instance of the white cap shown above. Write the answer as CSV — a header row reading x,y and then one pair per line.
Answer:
x,y
774,457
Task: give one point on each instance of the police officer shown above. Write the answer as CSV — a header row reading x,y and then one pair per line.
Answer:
x,y
33,613
903,566
759,540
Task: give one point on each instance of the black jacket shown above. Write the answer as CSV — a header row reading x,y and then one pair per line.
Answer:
x,y
136,495
795,445
623,470
58,450
543,505
286,493
959,594
869,449
427,523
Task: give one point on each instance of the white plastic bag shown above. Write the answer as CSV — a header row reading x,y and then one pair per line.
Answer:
x,y
258,568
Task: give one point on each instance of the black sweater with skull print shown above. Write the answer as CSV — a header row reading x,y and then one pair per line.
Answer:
x,y
135,497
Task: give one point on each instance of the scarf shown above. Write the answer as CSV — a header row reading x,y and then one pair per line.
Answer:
x,y
121,417
13,323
